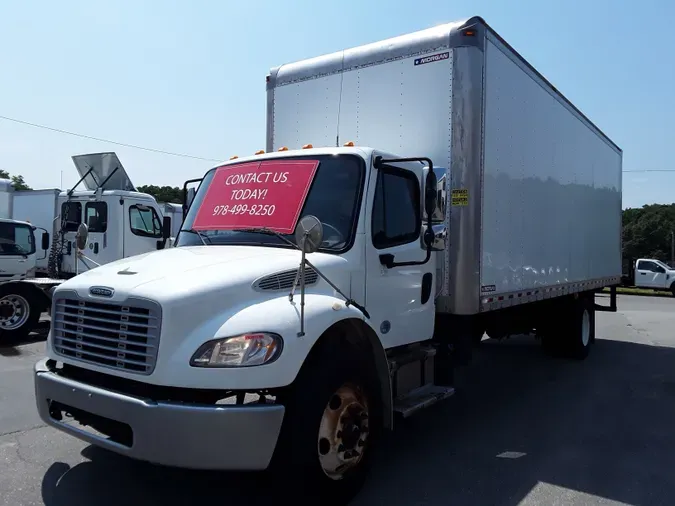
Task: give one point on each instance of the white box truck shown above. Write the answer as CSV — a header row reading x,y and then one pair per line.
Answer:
x,y
314,294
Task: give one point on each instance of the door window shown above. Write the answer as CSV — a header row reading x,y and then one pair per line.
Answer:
x,y
71,215
646,265
144,221
16,239
396,208
96,214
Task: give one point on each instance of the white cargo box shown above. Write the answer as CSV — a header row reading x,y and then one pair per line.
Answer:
x,y
534,186
40,209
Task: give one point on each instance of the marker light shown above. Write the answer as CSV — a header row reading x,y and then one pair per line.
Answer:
x,y
469,32
349,144
260,152
234,157
307,146
246,350
284,148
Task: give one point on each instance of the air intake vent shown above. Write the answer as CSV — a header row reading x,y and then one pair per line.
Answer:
x,y
284,280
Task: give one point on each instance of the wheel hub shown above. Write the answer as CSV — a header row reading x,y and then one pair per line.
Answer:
x,y
14,312
343,433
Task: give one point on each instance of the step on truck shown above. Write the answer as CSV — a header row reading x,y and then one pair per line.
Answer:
x,y
329,284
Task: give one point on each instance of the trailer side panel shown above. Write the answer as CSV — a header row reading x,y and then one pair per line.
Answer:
x,y
551,203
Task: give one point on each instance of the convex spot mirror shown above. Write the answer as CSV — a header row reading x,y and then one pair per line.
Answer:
x,y
309,234
81,236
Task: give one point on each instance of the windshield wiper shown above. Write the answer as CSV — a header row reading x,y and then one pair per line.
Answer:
x,y
267,231
199,234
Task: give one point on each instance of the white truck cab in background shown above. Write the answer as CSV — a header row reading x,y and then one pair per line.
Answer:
x,y
314,294
119,222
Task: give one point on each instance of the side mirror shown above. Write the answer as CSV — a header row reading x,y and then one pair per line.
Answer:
x,y
430,193
166,227
45,241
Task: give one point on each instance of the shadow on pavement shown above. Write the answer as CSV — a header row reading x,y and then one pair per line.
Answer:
x,y
9,347
602,427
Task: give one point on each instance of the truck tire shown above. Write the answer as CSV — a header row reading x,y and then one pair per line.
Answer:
x,y
326,441
582,330
19,313
573,334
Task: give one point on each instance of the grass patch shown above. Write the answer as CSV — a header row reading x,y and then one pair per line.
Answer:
x,y
621,290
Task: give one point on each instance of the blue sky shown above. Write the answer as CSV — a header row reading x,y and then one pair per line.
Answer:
x,y
189,77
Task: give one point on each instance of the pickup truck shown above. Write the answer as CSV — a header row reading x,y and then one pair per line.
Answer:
x,y
649,273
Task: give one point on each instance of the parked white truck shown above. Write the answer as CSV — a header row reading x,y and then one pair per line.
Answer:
x,y
261,340
649,273
119,221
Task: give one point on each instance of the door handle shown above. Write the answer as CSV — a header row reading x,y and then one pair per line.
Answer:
x,y
643,273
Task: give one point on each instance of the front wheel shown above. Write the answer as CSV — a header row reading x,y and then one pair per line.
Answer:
x,y
18,312
331,417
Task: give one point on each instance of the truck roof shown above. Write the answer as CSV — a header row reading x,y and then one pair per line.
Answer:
x,y
18,222
447,35
362,151
109,193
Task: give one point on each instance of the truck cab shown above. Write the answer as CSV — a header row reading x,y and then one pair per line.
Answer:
x,y
121,221
18,250
234,311
120,224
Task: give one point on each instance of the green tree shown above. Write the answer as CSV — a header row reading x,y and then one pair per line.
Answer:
x,y
17,181
171,194
647,231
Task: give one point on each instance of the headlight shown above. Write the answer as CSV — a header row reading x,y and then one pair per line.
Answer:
x,y
239,351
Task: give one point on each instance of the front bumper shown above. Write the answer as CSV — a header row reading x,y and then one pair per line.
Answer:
x,y
218,437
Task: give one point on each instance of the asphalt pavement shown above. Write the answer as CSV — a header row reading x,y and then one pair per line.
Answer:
x,y
523,429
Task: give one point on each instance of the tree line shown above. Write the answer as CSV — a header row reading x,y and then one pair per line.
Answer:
x,y
647,231
17,181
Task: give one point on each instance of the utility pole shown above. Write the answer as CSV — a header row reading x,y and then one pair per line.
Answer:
x,y
672,248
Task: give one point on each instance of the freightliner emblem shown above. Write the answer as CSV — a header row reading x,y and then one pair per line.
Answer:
x,y
101,291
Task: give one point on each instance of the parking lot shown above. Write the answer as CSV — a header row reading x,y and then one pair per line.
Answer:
x,y
523,429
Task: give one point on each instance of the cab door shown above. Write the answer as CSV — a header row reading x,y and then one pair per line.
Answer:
x,y
103,240
400,299
650,275
142,228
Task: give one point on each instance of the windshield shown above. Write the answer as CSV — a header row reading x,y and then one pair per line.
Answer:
x,y
16,239
333,197
659,262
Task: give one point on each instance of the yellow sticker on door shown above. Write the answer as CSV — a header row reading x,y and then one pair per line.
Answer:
x,y
459,197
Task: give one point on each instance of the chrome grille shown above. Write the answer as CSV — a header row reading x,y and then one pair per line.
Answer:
x,y
284,280
120,336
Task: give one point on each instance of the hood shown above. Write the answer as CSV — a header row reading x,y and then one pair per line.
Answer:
x,y
175,273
